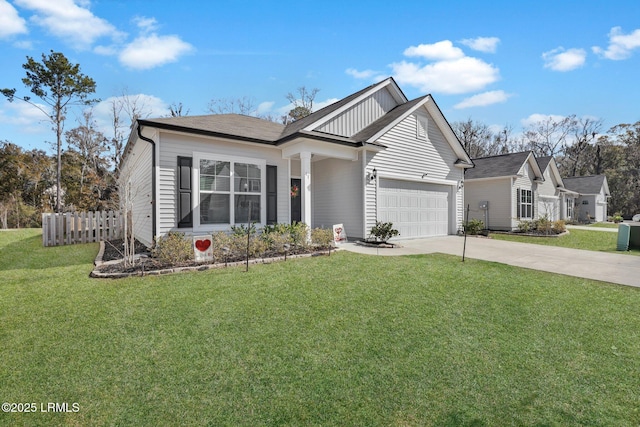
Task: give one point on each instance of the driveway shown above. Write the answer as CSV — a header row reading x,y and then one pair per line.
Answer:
x,y
622,269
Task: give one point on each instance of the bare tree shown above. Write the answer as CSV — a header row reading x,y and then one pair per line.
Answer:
x,y
244,105
302,104
125,109
547,137
478,140
176,110
585,133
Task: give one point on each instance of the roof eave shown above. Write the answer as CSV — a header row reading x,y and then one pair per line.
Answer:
x,y
203,132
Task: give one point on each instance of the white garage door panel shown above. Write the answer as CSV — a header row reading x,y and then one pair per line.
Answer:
x,y
414,208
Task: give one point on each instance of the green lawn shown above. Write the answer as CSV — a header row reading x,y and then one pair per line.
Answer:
x,y
604,225
601,241
334,341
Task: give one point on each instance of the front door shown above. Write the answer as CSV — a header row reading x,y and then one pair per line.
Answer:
x,y
296,200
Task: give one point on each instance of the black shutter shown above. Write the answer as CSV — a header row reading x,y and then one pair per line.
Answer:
x,y
185,215
519,205
272,194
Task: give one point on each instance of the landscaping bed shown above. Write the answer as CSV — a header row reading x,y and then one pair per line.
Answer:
x,y
174,252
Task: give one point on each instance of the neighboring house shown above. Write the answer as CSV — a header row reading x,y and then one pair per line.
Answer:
x,y
555,201
373,155
591,205
502,190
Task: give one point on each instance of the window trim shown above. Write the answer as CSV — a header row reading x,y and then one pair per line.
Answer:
x,y
523,205
197,157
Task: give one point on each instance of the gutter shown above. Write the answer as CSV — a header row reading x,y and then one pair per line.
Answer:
x,y
153,178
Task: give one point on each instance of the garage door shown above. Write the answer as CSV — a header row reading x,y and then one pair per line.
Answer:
x,y
414,208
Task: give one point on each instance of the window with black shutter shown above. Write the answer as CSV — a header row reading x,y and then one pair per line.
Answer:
x,y
185,215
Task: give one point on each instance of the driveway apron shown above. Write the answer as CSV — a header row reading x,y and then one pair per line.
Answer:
x,y
621,269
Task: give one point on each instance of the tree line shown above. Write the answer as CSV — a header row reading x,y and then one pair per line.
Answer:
x,y
82,176
579,146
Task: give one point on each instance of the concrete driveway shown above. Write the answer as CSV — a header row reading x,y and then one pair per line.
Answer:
x,y
623,269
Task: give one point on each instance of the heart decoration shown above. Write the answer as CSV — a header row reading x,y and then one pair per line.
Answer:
x,y
203,245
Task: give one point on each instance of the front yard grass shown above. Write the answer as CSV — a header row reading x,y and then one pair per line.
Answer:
x,y
600,241
342,340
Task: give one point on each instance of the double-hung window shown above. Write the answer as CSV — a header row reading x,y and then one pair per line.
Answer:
x,y
525,203
230,191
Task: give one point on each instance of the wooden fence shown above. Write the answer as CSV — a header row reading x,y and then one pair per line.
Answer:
x,y
80,227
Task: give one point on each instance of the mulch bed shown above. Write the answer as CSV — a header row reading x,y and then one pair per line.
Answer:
x,y
110,265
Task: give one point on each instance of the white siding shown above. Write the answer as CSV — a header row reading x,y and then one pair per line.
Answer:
x,y
173,145
498,193
360,115
336,188
548,199
137,170
408,157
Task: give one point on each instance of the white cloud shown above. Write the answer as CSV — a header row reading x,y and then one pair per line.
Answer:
x,y
67,20
482,44
560,59
442,50
11,23
364,74
29,118
620,46
539,118
265,107
149,51
146,25
483,99
461,75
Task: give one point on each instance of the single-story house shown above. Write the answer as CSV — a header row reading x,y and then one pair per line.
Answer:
x,y
373,155
502,190
591,204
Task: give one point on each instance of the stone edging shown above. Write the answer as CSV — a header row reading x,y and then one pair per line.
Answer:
x,y
202,267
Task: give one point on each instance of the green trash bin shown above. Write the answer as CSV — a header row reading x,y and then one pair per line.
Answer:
x,y
624,230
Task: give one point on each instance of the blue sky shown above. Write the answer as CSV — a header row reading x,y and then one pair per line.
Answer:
x,y
497,62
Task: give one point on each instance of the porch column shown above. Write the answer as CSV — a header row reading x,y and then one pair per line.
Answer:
x,y
305,170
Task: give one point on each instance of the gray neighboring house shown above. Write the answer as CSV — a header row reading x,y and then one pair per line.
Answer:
x,y
591,204
502,190
555,201
374,155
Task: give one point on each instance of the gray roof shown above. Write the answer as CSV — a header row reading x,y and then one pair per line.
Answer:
x,y
543,162
229,125
497,166
585,184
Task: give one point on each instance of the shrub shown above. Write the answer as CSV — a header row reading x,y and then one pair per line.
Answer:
x,y
524,226
322,237
298,232
383,231
474,226
559,226
173,248
543,225
617,217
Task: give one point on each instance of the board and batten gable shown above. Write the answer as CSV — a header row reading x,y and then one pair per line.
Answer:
x,y
174,144
408,156
360,115
136,178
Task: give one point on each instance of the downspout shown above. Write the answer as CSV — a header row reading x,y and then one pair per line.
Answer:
x,y
153,179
